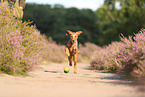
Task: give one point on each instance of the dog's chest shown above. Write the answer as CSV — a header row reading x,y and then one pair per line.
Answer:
x,y
73,49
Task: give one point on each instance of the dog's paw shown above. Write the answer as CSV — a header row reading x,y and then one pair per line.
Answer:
x,y
70,64
75,72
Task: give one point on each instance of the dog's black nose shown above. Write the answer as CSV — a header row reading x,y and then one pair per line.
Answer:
x,y
73,40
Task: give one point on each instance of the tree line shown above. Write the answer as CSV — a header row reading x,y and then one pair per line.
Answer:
x,y
100,27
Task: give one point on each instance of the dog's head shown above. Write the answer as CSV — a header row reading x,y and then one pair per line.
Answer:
x,y
73,35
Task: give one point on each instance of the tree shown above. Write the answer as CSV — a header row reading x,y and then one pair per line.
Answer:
x,y
55,20
128,19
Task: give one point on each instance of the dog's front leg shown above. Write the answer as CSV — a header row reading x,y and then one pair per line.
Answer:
x,y
67,51
70,60
75,63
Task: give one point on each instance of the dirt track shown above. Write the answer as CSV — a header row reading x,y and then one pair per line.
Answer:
x,y
50,81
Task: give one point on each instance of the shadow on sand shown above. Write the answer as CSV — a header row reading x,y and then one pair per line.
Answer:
x,y
122,79
50,71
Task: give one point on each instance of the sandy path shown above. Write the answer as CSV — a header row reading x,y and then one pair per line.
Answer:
x,y
50,81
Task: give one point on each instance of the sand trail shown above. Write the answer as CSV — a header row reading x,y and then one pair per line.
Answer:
x,y
50,81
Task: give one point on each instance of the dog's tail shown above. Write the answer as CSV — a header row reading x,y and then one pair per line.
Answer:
x,y
78,52
67,51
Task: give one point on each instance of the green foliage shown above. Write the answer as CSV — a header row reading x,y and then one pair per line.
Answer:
x,y
100,27
54,21
126,18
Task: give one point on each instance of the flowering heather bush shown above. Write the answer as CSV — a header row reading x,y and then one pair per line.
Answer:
x,y
87,50
127,55
54,52
132,54
20,44
105,58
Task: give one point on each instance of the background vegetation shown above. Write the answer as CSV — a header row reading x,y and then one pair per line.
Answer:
x,y
100,27
20,44
126,56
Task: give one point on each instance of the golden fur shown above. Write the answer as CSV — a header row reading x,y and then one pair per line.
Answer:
x,y
71,48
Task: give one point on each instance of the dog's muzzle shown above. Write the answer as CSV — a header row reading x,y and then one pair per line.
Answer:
x,y
73,41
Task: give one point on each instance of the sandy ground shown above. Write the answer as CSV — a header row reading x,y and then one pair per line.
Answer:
x,y
50,81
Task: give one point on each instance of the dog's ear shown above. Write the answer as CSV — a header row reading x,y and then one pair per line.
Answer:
x,y
69,32
79,32
66,33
